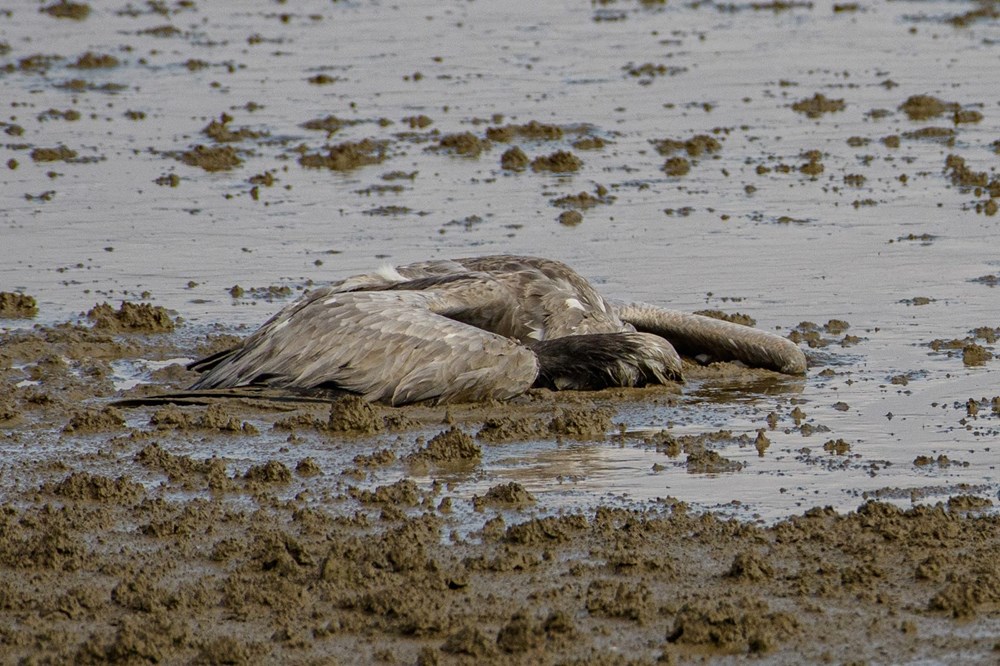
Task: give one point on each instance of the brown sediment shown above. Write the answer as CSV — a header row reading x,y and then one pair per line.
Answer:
x,y
328,124
465,143
351,414
91,60
346,156
232,532
560,161
62,153
219,131
694,147
584,200
448,447
131,317
924,107
14,305
77,11
735,317
110,549
817,105
507,495
211,158
95,420
677,166
514,159
531,131
570,218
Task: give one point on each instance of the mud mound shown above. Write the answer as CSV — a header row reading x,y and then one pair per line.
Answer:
x,y
131,318
449,447
13,305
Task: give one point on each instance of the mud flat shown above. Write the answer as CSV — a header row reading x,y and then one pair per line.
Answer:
x,y
171,174
246,529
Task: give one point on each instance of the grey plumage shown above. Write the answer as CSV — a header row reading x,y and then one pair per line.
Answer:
x,y
473,329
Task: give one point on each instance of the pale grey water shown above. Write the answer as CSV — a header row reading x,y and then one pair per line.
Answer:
x,y
109,232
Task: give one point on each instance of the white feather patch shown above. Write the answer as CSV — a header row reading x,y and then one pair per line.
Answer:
x,y
390,274
574,303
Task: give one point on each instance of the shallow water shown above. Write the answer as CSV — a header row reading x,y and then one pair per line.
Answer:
x,y
781,245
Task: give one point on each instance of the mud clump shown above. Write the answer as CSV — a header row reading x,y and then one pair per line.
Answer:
x,y
183,470
514,159
469,641
499,429
449,447
329,124
271,472
504,495
584,200
570,218
611,599
214,417
86,486
354,415
465,143
91,60
76,11
817,105
531,131
131,318
402,493
560,161
346,156
17,306
745,625
734,318
696,146
580,423
973,355
813,166
749,566
968,503
95,420
211,158
924,107
60,154
219,131
675,167
711,462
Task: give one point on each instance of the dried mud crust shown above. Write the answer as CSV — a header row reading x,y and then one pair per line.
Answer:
x,y
156,548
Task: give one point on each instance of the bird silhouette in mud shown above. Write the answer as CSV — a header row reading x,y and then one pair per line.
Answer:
x,y
478,328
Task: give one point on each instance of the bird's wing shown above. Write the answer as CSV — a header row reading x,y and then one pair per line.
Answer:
x,y
390,346
553,300
696,334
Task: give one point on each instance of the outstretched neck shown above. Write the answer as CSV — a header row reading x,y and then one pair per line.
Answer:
x,y
723,340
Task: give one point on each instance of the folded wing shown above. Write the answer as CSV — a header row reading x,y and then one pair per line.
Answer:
x,y
390,346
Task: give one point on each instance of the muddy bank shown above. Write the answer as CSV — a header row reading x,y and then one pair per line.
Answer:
x,y
102,570
150,535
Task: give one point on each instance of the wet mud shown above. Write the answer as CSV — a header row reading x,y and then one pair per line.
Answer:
x,y
825,172
160,540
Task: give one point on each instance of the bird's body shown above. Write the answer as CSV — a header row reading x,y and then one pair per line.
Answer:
x,y
477,328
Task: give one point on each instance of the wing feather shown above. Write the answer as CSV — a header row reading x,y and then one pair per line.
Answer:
x,y
390,346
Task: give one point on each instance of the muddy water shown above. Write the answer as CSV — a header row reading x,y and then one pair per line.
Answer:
x,y
745,229
824,195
